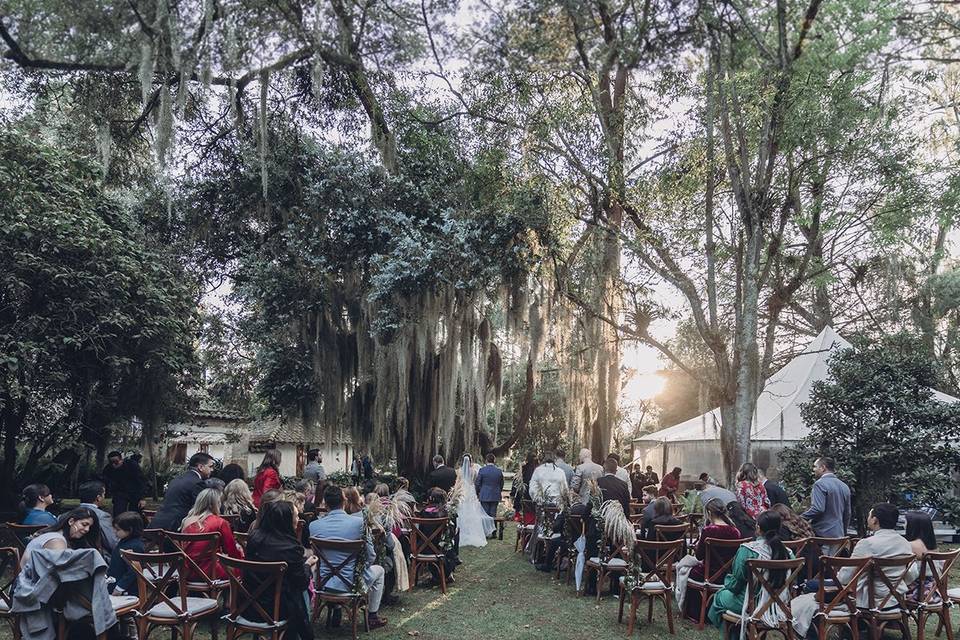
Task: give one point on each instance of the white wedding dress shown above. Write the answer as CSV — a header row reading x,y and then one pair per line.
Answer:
x,y
474,524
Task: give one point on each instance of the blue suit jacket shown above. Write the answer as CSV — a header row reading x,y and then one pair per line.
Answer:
x,y
339,525
489,483
829,512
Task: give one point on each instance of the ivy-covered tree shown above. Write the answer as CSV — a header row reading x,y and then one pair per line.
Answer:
x,y
96,325
878,416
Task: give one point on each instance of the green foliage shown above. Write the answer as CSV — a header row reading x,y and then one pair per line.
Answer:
x,y
877,416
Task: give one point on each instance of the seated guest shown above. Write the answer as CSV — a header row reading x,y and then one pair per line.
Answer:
x,y
741,520
884,543
352,502
77,529
712,491
268,475
308,489
794,527
750,491
923,540
92,495
436,507
382,490
215,483
275,541
718,527
767,546
181,493
662,515
237,501
612,487
273,495
339,525
231,472
205,518
128,527
34,502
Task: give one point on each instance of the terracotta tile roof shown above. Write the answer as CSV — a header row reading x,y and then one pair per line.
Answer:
x,y
287,431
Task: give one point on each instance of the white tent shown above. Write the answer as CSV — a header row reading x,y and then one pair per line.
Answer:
x,y
694,445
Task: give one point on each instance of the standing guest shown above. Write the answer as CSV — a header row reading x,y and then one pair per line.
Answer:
x,y
711,491
622,473
92,494
612,487
237,501
586,471
548,482
352,502
204,517
182,493
231,472
367,467
652,477
526,472
671,484
750,491
34,502
339,525
489,486
775,492
741,519
558,458
767,546
275,540
442,476
268,475
829,511
356,469
662,515
128,527
314,469
126,483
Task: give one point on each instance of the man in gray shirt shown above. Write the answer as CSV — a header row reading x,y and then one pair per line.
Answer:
x,y
587,470
314,470
561,464
711,491
829,512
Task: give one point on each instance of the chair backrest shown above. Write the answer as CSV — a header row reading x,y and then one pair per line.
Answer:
x,y
656,560
153,538
891,573
9,570
427,542
838,546
937,566
677,508
322,548
718,558
148,515
527,508
23,532
799,549
269,576
766,598
157,575
576,526
669,532
200,552
842,596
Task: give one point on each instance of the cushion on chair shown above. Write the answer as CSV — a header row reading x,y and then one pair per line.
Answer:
x,y
612,563
203,586
4,607
954,594
122,602
195,606
731,616
257,625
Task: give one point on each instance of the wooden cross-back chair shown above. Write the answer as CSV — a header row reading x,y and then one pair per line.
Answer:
x,y
9,570
153,539
653,583
159,574
544,537
837,602
671,532
21,533
327,570
934,601
777,600
202,564
612,561
122,606
245,613
148,515
888,609
425,535
717,559
574,527
524,530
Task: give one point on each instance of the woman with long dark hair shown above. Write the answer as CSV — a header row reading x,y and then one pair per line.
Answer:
x,y
33,505
76,529
741,520
717,526
750,490
268,475
275,540
767,546
922,540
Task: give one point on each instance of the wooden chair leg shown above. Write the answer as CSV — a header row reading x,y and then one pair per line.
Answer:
x,y
649,609
921,624
443,578
634,603
668,603
947,624
620,607
353,619
601,574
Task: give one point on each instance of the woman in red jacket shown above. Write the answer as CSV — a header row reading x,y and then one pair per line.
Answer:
x,y
205,518
268,475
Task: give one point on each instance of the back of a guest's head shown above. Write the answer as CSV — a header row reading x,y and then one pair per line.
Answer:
x,y
548,457
237,496
786,513
747,473
91,490
32,494
615,457
886,515
662,507
382,490
131,522
741,519
271,460
207,504
231,472
610,465
585,455
403,483
304,486
333,497
491,458
651,490
438,459
716,510
198,459
437,496
313,454
352,502
215,483
271,495
920,527
828,463
560,454
276,518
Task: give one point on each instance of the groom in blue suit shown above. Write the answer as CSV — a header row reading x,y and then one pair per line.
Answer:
x,y
489,485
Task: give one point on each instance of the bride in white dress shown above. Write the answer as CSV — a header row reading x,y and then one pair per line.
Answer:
x,y
474,524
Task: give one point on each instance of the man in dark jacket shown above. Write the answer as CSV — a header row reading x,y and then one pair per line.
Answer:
x,y
442,476
612,487
124,480
775,492
489,486
182,492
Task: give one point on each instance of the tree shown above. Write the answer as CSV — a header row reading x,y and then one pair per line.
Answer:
x,y
877,416
94,322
